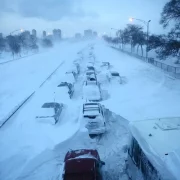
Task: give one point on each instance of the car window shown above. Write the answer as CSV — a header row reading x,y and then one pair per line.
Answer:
x,y
115,74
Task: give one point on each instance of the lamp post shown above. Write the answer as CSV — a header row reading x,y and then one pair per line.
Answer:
x,y
147,33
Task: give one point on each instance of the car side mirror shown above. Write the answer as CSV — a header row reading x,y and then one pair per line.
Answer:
x,y
102,163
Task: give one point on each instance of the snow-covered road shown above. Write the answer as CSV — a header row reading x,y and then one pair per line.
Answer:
x,y
32,150
19,79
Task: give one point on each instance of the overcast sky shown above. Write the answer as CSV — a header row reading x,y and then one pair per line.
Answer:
x,y
73,16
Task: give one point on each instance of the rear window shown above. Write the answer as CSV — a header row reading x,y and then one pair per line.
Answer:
x,y
51,105
90,116
115,74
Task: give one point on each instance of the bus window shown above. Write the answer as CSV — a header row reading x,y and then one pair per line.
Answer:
x,y
136,152
141,161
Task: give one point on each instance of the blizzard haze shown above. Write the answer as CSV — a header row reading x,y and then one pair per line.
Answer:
x,y
74,16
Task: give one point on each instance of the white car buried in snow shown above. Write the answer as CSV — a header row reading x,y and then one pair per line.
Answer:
x,y
90,67
114,76
91,92
50,112
65,89
93,115
90,73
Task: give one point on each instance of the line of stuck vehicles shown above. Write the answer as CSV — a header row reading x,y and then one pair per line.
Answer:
x,y
153,152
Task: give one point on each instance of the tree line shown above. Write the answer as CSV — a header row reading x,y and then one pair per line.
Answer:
x,y
22,43
165,45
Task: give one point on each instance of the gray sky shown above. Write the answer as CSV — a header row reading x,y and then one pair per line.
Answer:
x,y
76,15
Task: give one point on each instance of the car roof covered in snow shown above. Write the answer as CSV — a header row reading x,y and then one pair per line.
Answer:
x,y
46,112
92,92
159,139
68,77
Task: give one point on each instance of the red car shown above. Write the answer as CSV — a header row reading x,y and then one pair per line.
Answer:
x,y
83,164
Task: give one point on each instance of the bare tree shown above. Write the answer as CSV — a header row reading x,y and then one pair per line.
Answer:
x,y
171,12
14,44
2,44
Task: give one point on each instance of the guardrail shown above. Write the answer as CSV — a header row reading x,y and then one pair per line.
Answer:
x,y
172,70
16,109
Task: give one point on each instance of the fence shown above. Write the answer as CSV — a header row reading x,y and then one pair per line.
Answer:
x,y
172,70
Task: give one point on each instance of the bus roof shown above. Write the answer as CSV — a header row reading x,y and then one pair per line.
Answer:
x,y
160,138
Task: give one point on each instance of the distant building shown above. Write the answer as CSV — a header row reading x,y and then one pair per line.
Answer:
x,y
1,35
95,34
44,34
26,34
34,33
88,33
50,37
78,36
57,34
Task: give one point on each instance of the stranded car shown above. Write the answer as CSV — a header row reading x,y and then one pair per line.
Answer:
x,y
114,76
93,114
91,79
82,164
90,67
89,73
67,87
50,112
106,64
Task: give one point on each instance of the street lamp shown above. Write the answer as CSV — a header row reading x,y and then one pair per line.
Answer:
x,y
147,34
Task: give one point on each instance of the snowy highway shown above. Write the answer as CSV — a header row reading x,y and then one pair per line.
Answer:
x,y
33,150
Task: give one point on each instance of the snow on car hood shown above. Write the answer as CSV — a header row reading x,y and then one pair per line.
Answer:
x,y
91,92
